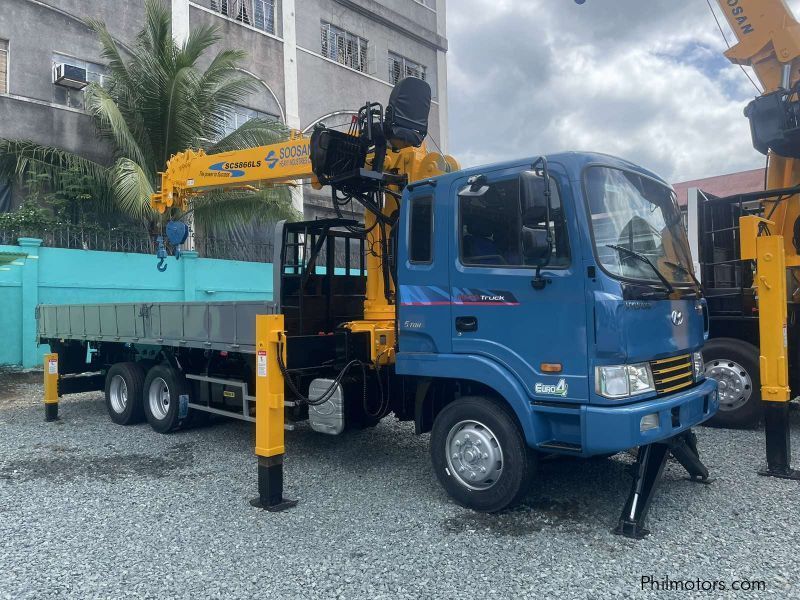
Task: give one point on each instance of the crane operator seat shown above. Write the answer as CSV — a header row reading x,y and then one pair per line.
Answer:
x,y
407,113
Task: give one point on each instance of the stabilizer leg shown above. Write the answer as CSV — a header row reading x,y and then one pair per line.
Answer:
x,y
647,475
270,415
779,450
51,387
270,485
684,448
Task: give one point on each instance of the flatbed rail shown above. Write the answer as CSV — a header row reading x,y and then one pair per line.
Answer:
x,y
226,326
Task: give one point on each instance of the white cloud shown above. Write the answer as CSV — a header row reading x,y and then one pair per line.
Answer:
x,y
642,80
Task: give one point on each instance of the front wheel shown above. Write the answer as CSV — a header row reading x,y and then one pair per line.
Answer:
x,y
734,365
479,454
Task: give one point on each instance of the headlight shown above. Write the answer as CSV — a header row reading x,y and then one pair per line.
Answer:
x,y
699,366
622,381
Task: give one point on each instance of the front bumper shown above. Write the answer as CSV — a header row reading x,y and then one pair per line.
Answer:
x,y
607,429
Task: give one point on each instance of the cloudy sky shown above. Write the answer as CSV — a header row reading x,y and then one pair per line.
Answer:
x,y
641,79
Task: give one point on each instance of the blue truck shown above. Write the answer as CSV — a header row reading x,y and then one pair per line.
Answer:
x,y
540,306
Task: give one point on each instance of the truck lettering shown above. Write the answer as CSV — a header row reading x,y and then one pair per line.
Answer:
x,y
738,13
250,164
559,389
298,151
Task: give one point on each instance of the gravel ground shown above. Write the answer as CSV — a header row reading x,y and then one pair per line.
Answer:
x,y
91,509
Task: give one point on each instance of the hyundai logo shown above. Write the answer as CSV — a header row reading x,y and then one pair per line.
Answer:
x,y
677,318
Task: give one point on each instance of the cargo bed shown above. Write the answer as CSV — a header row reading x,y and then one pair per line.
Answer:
x,y
208,325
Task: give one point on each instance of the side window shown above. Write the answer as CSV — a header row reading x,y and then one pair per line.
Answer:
x,y
491,227
420,238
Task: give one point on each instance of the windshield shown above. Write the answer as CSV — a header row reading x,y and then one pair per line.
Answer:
x,y
636,221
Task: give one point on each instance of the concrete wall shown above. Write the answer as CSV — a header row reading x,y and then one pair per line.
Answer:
x,y
58,276
264,56
35,32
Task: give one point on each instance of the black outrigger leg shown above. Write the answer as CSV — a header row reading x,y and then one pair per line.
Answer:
x,y
647,472
779,448
684,448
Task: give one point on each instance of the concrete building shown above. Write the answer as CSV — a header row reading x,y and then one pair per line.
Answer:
x,y
315,59
722,186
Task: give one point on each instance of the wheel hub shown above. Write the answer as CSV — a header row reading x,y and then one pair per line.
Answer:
x,y
118,394
474,455
158,398
734,383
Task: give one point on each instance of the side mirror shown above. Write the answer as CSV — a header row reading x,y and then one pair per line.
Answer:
x,y
535,245
533,198
534,201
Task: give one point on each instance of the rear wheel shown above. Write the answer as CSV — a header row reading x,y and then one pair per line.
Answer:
x,y
163,388
734,365
123,391
479,454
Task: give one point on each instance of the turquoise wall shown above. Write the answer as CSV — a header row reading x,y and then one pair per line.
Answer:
x,y
59,276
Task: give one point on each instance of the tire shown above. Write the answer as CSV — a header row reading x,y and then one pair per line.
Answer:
x,y
484,422
163,387
734,364
123,391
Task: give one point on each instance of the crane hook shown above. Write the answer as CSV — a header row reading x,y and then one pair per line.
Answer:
x,y
161,254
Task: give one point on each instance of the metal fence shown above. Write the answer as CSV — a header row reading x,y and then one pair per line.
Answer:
x,y
114,239
213,247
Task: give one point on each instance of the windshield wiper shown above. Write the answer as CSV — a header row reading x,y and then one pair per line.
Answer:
x,y
683,269
642,258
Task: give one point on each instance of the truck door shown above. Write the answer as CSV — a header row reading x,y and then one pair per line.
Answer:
x,y
423,265
496,309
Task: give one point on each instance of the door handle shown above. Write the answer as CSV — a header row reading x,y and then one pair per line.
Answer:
x,y
465,324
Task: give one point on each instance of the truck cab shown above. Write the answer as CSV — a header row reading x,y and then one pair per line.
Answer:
x,y
580,319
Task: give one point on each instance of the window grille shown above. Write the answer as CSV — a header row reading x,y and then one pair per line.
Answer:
x,y
3,66
344,47
259,13
264,13
239,115
401,67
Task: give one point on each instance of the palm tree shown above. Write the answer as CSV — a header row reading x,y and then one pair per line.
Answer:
x,y
157,101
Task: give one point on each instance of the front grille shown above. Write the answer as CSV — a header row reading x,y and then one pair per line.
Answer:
x,y
672,374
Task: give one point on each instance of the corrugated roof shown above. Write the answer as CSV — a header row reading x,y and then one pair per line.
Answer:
x,y
722,185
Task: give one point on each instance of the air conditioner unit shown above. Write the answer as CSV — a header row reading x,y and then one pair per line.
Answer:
x,y
69,76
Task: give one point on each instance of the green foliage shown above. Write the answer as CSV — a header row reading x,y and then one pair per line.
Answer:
x,y
158,101
27,218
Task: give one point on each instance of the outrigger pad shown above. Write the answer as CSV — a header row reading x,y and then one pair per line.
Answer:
x,y
779,448
647,472
270,485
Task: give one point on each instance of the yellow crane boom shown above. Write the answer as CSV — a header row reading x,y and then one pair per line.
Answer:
x,y
193,172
